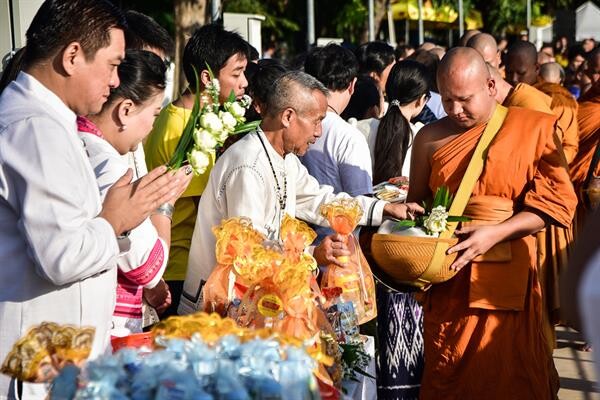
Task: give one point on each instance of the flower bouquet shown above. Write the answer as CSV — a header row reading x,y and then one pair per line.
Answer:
x,y
413,253
436,220
209,125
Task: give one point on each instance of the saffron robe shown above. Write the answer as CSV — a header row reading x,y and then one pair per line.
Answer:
x,y
588,118
483,328
554,243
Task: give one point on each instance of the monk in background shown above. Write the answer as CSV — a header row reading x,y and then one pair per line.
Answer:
x,y
554,244
483,328
486,45
589,138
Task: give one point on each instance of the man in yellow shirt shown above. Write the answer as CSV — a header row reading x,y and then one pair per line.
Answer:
x,y
227,54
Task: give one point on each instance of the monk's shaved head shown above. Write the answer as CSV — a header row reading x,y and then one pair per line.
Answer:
x,y
466,36
486,45
551,72
521,63
466,87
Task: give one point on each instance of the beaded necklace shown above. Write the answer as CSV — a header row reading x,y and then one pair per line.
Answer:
x,y
282,198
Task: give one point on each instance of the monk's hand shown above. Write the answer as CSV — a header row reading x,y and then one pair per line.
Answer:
x,y
478,239
128,204
402,210
332,250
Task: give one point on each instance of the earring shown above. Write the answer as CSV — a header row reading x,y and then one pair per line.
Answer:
x,y
123,127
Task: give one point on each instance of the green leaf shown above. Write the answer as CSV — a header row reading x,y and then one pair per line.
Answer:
x,y
231,97
247,127
455,218
407,223
186,141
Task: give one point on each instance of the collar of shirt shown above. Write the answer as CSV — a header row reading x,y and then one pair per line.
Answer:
x,y
85,125
48,97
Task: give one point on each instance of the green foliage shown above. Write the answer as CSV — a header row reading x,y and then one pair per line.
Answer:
x,y
273,10
350,21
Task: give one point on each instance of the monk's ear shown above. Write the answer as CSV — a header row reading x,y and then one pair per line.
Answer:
x,y
72,57
491,86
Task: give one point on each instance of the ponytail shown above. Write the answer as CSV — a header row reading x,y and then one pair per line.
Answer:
x,y
391,145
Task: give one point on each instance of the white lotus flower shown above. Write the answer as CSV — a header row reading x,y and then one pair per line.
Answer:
x,y
237,110
228,120
437,221
204,139
199,160
211,121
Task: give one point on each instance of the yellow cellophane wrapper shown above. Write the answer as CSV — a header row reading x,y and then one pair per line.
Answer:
x,y
296,236
236,245
355,279
45,349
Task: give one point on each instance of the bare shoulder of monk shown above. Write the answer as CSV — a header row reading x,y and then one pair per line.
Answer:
x,y
437,134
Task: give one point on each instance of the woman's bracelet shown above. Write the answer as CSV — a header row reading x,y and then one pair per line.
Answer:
x,y
165,209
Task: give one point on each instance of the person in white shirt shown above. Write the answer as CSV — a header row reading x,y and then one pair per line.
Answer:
x,y
58,241
340,156
261,177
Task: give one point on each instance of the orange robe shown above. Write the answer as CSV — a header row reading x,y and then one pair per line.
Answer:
x,y
564,106
589,136
554,243
483,328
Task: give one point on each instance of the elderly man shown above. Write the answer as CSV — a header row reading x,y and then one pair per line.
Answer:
x,y
261,177
58,241
493,303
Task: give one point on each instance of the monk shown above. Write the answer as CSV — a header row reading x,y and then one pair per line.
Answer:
x,y
469,33
555,243
552,72
483,328
522,63
486,45
589,138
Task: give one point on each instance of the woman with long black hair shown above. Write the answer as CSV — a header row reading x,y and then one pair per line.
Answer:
x,y
400,318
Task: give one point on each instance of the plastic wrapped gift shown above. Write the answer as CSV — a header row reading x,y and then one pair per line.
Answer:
x,y
355,279
236,245
45,350
232,367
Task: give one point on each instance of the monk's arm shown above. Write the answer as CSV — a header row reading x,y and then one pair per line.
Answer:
x,y
480,238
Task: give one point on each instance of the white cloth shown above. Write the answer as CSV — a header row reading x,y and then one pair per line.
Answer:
x,y
372,124
57,256
366,387
589,303
108,167
242,184
340,158
435,105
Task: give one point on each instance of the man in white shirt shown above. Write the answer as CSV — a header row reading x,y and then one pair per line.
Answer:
x,y
339,158
58,241
261,177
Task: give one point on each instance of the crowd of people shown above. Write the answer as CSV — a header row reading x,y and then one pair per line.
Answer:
x,y
96,231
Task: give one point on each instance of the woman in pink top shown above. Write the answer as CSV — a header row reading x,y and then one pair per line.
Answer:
x,y
126,118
